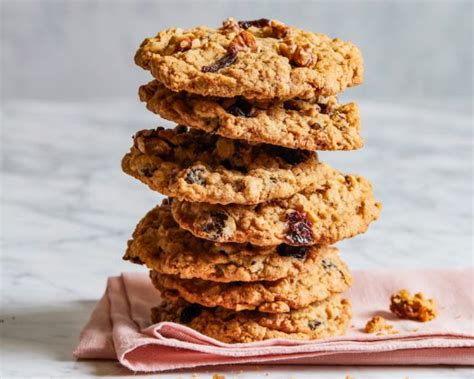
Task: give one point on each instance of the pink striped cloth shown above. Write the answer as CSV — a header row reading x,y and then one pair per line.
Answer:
x,y
119,328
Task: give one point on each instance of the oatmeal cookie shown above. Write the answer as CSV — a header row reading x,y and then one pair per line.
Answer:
x,y
329,211
316,124
199,167
260,59
324,275
318,320
160,244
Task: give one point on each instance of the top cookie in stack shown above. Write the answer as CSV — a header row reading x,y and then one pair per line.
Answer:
x,y
240,251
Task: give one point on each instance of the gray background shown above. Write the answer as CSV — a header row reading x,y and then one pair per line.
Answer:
x,y
79,50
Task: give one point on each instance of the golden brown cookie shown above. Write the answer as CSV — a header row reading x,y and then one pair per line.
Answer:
x,y
160,244
259,59
340,207
199,167
324,274
319,320
316,124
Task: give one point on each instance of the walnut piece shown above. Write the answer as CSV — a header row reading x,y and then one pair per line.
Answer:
x,y
230,25
300,56
183,42
379,325
416,307
149,142
243,41
279,29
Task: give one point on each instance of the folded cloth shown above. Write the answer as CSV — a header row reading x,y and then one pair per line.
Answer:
x,y
119,328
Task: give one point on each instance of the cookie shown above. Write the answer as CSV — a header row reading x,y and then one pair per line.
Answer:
x,y
319,320
324,275
199,167
259,59
160,244
331,210
316,124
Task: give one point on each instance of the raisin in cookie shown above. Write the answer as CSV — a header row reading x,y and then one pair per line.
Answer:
x,y
324,319
199,167
324,275
160,244
259,59
316,124
340,207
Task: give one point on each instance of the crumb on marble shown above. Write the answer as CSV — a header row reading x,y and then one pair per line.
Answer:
x,y
379,325
218,376
416,307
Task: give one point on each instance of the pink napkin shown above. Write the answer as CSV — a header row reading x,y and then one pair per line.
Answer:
x,y
119,328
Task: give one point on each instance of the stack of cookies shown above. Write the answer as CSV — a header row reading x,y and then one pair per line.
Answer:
x,y
240,249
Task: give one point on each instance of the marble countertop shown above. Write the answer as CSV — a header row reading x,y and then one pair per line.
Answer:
x,y
68,211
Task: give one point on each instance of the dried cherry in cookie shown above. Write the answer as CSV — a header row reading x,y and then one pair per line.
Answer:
x,y
225,61
299,228
298,252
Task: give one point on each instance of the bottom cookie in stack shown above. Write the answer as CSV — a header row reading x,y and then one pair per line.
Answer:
x,y
322,319
241,292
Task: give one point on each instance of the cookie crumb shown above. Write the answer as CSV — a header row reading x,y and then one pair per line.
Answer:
x,y
416,307
379,325
218,376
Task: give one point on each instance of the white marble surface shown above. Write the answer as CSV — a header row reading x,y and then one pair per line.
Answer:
x,y
67,212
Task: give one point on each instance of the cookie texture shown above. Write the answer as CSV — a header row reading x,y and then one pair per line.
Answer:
x,y
259,59
319,320
324,275
199,167
160,244
316,124
331,210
